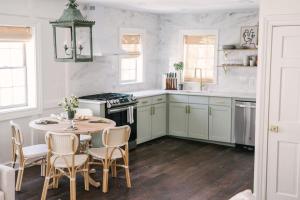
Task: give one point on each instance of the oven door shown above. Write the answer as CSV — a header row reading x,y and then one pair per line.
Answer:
x,y
119,115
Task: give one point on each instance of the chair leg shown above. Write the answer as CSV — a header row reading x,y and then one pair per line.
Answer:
x,y
46,185
105,177
86,177
14,159
56,179
114,168
73,187
20,176
127,174
43,168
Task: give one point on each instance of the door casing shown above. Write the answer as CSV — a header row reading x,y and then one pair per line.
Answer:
x,y
267,23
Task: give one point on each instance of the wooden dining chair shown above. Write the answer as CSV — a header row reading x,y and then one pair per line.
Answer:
x,y
85,140
115,141
62,160
29,155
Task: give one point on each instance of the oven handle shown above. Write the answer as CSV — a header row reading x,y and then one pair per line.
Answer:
x,y
116,110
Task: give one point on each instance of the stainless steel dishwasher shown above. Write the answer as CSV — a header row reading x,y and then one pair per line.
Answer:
x,y
244,122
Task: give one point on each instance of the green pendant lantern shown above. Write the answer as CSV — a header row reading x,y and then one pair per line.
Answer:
x,y
72,36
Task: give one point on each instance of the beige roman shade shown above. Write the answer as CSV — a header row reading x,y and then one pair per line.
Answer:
x,y
131,44
195,39
199,53
14,33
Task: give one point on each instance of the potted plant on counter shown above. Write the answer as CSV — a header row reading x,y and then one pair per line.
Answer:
x,y
179,69
70,105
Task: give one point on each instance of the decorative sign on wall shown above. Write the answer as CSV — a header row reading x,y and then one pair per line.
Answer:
x,y
249,36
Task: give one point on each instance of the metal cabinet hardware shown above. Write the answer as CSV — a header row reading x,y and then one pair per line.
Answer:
x,y
274,128
209,110
159,99
144,102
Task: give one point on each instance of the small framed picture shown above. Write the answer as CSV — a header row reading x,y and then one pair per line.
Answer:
x,y
249,36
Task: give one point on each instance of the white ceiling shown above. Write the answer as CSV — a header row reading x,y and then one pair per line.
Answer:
x,y
177,6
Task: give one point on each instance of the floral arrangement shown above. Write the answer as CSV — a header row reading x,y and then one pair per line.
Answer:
x,y
70,104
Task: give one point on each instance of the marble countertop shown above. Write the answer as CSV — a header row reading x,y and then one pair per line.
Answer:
x,y
149,93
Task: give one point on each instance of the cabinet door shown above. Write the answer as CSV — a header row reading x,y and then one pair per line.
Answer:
x,y
220,123
159,118
198,121
178,119
143,124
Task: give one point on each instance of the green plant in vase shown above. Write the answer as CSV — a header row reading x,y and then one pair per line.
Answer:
x,y
70,105
179,69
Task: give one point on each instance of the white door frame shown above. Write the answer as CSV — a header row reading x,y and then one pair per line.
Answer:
x,y
267,23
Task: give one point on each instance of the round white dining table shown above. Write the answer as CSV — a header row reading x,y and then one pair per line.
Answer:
x,y
87,126
92,125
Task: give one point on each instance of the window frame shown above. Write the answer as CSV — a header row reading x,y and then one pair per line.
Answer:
x,y
131,31
34,93
202,32
25,78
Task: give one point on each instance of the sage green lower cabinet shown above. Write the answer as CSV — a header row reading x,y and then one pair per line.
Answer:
x,y
143,124
198,121
178,119
220,123
159,120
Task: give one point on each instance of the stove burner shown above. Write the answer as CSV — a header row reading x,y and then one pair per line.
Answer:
x,y
112,99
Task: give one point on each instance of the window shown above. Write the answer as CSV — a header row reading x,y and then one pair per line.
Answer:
x,y
13,87
17,68
131,64
200,54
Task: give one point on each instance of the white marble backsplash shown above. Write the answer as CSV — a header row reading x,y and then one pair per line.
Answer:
x,y
228,24
161,49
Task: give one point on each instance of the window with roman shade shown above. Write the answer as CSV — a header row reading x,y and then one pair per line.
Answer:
x,y
131,64
14,59
200,57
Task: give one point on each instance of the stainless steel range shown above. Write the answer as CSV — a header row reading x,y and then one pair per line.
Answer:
x,y
115,106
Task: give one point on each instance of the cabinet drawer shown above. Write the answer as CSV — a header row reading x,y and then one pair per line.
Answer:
x,y
159,99
178,98
144,101
220,101
198,99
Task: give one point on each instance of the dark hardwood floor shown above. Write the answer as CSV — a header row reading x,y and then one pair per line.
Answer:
x,y
164,169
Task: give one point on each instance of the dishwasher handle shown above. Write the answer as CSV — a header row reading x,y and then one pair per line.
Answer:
x,y
244,106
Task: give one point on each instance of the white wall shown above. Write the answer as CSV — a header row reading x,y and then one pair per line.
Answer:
x,y
228,23
53,73
269,7
103,74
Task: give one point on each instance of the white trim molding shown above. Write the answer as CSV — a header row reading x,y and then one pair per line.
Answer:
x,y
263,94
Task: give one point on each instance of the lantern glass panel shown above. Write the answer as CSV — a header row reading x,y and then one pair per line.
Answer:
x,y
83,42
64,42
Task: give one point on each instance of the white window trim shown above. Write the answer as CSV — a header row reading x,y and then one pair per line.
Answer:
x,y
133,31
30,110
201,32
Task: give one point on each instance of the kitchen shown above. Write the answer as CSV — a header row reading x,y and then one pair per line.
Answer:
x,y
188,81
